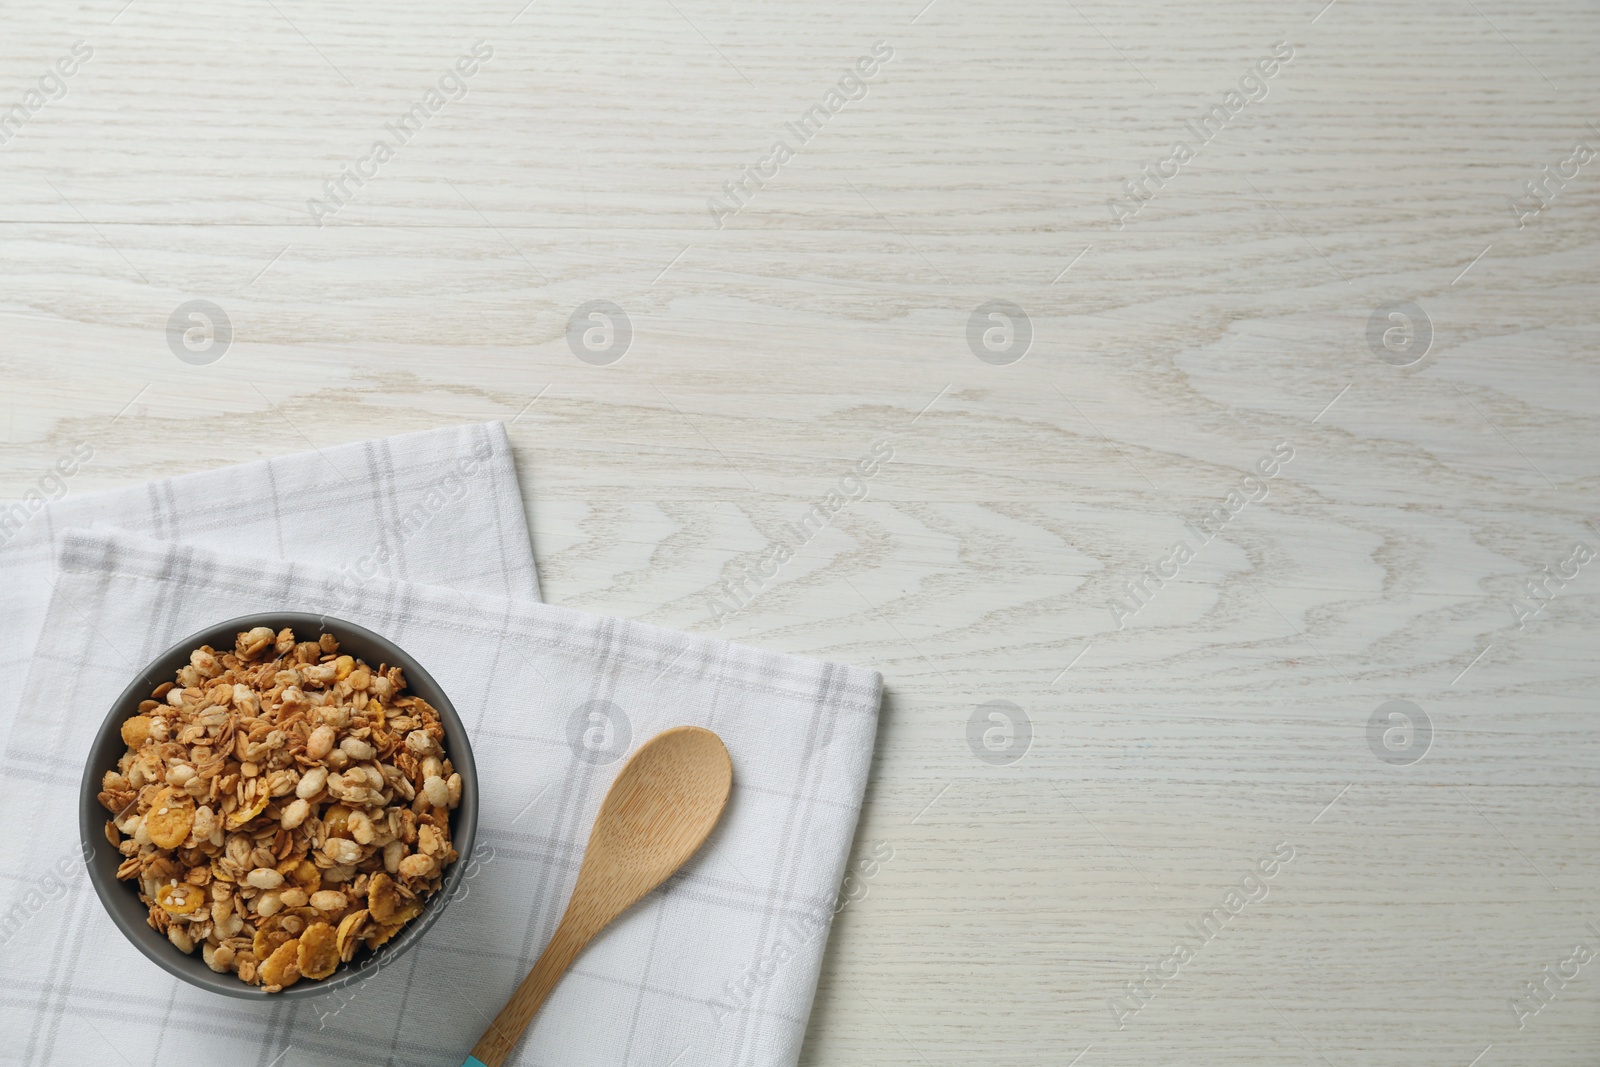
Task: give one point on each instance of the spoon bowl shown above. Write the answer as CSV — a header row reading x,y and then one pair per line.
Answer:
x,y
659,811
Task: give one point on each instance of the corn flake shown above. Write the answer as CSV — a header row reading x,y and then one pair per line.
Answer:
x,y
318,955
171,818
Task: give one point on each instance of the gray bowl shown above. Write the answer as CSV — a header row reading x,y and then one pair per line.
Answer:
x,y
121,899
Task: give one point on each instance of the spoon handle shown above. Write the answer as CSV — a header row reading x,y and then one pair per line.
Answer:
x,y
500,1038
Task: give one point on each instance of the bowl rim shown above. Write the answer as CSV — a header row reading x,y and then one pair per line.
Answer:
x,y
155,946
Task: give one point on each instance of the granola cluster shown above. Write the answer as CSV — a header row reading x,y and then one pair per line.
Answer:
x,y
280,806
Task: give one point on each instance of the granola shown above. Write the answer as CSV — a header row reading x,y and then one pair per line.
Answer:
x,y
281,806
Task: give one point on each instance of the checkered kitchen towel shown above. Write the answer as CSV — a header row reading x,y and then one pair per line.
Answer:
x,y
440,506
718,967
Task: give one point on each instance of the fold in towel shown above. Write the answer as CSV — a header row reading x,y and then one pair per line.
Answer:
x,y
440,506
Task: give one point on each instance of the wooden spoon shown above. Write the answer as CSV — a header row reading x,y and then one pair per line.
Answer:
x,y
657,813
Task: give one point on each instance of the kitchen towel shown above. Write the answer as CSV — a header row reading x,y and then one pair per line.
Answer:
x,y
440,506
718,967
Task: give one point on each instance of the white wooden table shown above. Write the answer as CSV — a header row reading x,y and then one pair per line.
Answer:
x,y
1149,755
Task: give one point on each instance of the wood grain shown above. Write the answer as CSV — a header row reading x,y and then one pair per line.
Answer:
x,y
1167,756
